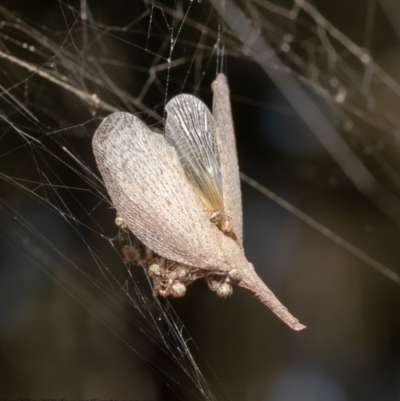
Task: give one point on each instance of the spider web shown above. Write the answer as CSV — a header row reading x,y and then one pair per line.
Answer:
x,y
68,64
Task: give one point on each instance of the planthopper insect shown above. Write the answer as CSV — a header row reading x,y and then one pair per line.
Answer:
x,y
179,194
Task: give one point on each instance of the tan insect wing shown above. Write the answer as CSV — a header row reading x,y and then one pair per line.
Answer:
x,y
225,137
151,193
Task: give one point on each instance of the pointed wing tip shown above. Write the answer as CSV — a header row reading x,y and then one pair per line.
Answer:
x,y
298,327
253,283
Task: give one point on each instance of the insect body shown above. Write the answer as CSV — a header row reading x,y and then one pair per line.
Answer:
x,y
179,194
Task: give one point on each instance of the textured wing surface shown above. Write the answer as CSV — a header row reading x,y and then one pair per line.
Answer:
x,y
150,191
189,129
225,137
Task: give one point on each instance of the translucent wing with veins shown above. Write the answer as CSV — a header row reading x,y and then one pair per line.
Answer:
x,y
190,130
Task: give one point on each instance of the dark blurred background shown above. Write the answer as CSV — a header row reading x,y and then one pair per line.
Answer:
x,y
68,331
